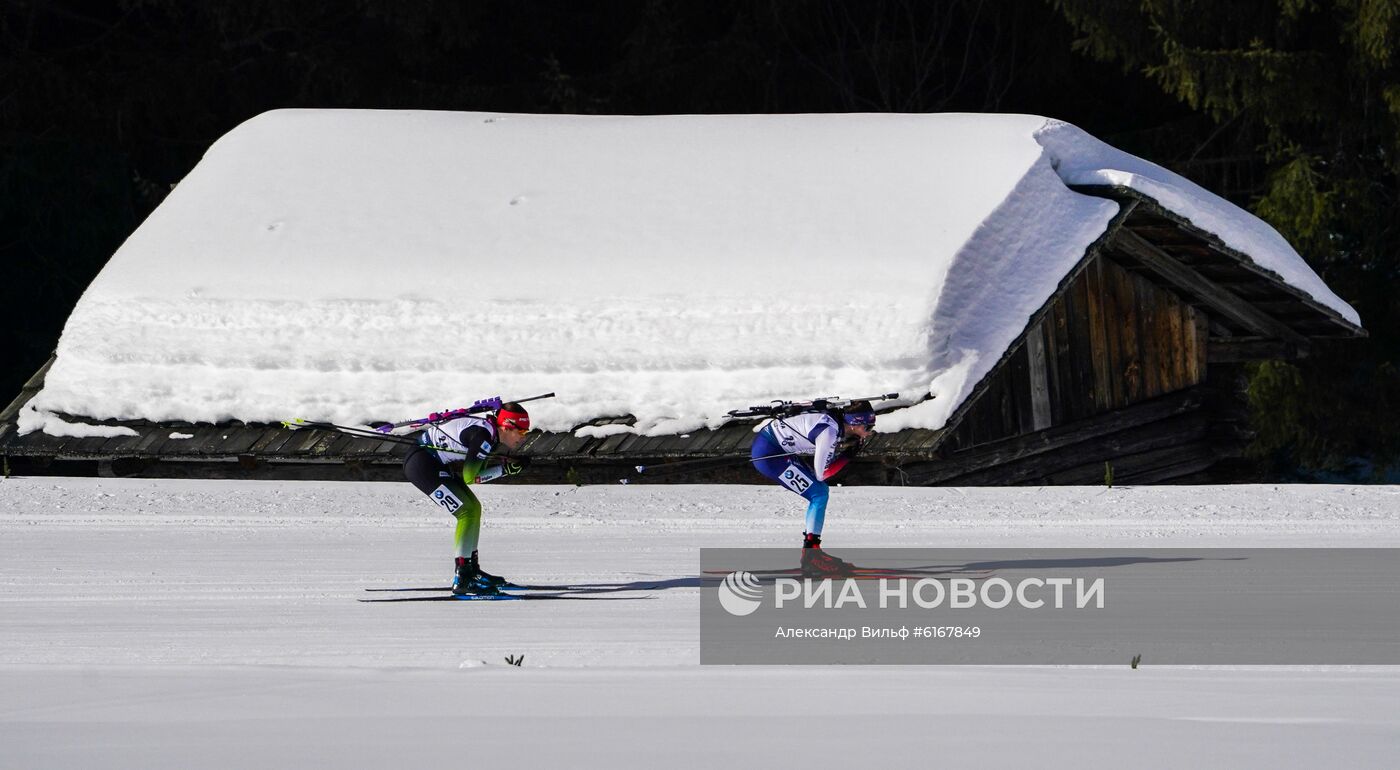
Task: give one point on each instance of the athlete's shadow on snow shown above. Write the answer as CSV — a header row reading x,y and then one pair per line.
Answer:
x,y
977,570
636,585
969,569
981,568
1085,562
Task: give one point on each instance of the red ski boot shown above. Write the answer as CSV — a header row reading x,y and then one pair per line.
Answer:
x,y
817,563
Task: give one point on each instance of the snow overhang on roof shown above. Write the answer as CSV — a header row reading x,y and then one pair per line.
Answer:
x,y
358,265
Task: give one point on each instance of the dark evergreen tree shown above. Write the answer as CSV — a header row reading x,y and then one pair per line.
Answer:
x,y
1306,96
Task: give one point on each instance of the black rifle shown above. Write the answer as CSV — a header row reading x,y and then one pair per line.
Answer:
x,y
780,409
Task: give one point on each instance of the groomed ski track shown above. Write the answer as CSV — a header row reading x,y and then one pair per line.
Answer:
x,y
149,624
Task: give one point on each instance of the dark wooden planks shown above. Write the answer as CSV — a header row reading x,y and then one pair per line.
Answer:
x,y
1148,348
1085,397
1197,333
1039,378
126,445
1098,336
10,414
1019,382
1110,339
1089,446
1129,351
1229,299
1056,439
1056,349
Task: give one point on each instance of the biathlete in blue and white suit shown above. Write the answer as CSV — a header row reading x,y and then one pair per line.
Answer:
x,y
781,451
453,456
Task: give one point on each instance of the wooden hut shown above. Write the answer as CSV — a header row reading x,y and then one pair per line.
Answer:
x,y
1133,367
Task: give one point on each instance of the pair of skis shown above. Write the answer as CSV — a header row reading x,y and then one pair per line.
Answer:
x,y
514,593
443,593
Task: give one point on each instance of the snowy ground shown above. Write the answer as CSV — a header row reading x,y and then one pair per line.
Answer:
x,y
176,624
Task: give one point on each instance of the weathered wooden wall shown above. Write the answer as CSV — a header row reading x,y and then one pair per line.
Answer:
x,y
1181,436
1112,339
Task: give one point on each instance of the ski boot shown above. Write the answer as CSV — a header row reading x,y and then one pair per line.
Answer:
x,y
495,580
470,582
817,563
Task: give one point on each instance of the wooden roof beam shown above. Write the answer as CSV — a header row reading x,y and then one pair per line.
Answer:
x,y
1218,298
1150,212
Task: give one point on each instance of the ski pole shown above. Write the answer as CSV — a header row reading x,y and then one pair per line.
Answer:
x,y
348,430
718,462
702,460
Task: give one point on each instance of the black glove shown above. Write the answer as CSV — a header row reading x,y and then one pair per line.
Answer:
x,y
514,465
849,446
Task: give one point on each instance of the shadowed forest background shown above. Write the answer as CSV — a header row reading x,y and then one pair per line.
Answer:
x,y
1289,108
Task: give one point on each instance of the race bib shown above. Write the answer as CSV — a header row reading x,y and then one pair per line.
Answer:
x,y
444,497
793,478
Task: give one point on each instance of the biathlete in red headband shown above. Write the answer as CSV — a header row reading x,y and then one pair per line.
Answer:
x,y
456,454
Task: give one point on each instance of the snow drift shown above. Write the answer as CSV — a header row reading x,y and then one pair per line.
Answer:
x,y
359,265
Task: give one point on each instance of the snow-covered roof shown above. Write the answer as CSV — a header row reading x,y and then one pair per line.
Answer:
x,y
355,265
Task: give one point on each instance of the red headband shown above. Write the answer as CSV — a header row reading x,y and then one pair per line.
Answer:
x,y
513,420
